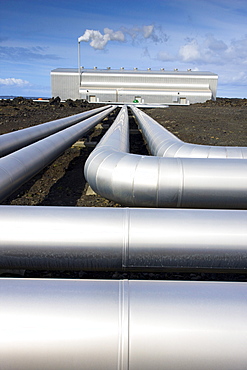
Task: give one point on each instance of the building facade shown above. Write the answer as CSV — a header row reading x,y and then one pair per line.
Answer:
x,y
128,86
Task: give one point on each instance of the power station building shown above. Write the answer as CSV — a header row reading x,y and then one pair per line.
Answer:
x,y
127,86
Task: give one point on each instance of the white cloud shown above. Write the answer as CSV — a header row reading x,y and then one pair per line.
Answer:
x,y
190,52
14,82
23,53
209,50
237,51
239,78
165,57
215,45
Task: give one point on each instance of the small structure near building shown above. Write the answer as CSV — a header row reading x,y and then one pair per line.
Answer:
x,y
128,86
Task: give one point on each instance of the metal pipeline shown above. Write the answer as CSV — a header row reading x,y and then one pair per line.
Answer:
x,y
64,238
147,181
18,167
18,139
162,143
131,325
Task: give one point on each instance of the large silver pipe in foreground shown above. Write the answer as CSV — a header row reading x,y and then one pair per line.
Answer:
x,y
147,181
15,140
64,238
132,325
18,167
163,143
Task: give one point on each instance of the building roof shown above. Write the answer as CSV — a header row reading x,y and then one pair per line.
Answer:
x,y
135,71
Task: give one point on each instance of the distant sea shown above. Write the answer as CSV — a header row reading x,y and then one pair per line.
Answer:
x,y
25,97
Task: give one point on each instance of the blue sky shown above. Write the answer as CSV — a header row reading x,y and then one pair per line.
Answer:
x,y
37,36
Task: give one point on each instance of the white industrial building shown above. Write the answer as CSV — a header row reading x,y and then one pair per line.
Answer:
x,y
127,86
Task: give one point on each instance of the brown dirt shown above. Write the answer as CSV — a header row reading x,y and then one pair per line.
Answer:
x,y
62,183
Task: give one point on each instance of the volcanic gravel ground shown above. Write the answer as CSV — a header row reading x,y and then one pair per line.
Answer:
x,y
62,183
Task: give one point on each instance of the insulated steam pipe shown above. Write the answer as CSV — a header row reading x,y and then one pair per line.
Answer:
x,y
64,238
162,143
18,139
132,325
147,181
18,167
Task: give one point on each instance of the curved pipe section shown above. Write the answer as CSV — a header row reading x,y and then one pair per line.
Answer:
x,y
18,167
94,325
146,181
162,143
18,139
126,239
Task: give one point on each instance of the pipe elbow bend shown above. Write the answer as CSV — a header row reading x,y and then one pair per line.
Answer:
x,y
135,180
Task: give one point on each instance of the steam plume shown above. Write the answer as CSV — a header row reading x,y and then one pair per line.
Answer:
x,y
99,41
